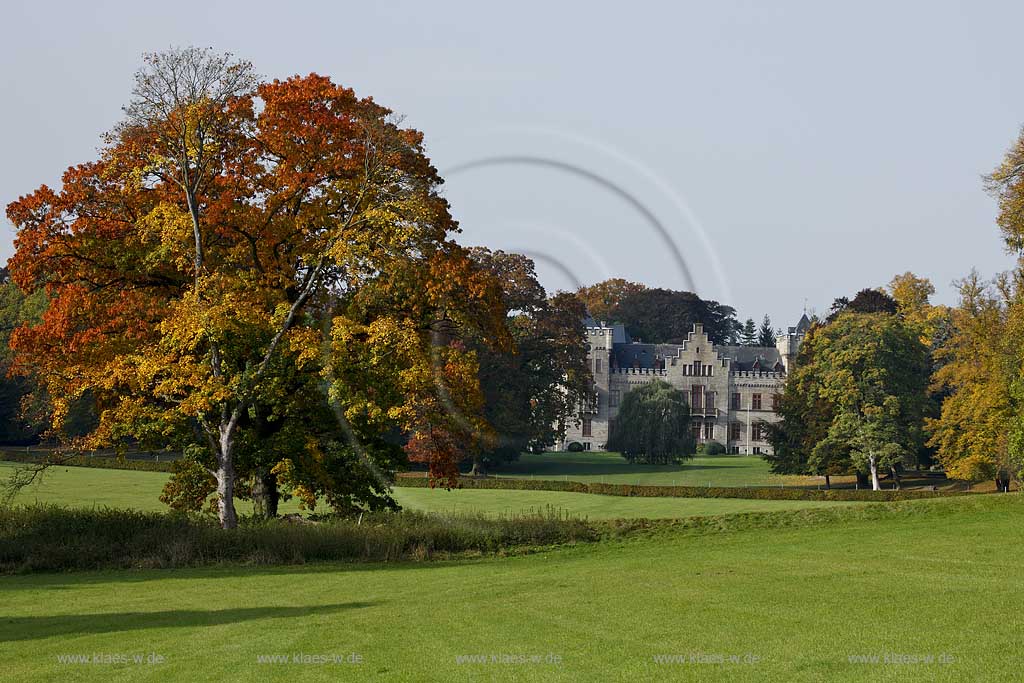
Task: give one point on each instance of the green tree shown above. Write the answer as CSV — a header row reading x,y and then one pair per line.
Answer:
x,y
653,425
871,436
766,335
856,399
874,373
748,334
659,316
16,309
532,392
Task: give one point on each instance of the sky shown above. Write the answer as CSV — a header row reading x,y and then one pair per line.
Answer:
x,y
771,156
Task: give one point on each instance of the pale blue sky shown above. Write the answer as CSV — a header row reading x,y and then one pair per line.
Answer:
x,y
811,148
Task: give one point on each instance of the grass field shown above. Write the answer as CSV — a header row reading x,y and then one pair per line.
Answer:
x,y
941,580
613,468
588,505
83,486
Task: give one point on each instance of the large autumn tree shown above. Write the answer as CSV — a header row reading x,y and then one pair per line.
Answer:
x,y
603,299
233,234
980,431
979,374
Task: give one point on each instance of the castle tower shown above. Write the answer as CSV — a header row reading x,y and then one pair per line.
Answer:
x,y
789,344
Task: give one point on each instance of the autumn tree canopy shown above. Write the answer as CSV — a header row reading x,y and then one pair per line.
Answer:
x,y
239,246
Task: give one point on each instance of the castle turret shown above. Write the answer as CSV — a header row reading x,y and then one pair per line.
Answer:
x,y
788,344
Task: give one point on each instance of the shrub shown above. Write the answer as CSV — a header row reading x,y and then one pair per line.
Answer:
x,y
51,538
574,447
711,448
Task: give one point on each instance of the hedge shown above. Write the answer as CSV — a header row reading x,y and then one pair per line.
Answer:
x,y
756,493
100,462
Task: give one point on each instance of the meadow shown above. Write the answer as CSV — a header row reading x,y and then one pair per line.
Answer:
x,y
87,487
799,598
612,468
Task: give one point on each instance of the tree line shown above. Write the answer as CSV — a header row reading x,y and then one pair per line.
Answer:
x,y
888,380
664,316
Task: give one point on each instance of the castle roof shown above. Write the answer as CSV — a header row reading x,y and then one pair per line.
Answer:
x,y
751,357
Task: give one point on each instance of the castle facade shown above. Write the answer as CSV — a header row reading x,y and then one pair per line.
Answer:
x,y
733,391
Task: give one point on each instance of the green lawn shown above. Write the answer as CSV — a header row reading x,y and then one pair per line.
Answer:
x,y
588,505
942,580
95,487
721,470
83,486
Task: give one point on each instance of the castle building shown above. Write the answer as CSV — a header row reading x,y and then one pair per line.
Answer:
x,y
733,391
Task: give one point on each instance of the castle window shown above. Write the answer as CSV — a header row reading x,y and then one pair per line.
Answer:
x,y
734,431
735,402
587,427
597,365
776,402
709,430
613,398
755,402
696,398
696,368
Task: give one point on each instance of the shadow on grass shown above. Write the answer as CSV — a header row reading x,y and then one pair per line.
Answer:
x,y
128,577
35,628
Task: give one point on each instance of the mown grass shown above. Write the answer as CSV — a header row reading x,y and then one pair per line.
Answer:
x,y
86,487
592,506
794,596
715,471
614,469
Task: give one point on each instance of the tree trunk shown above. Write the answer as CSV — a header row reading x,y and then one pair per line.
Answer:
x,y
226,479
479,469
828,482
862,480
895,476
873,464
265,495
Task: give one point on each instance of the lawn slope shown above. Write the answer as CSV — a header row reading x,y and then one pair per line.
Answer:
x,y
941,581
